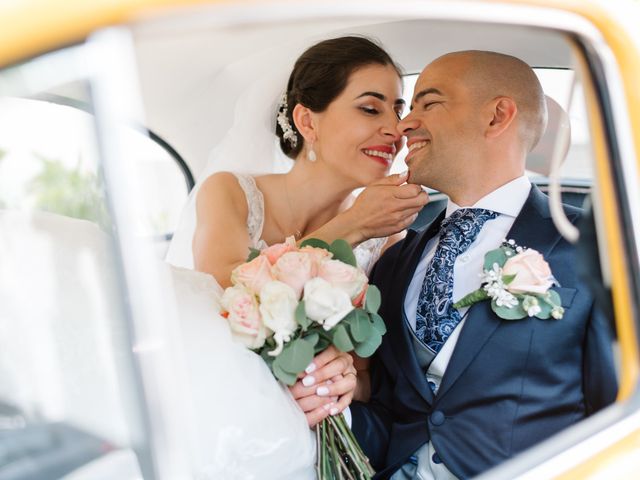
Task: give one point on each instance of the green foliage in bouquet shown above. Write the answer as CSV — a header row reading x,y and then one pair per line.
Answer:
x,y
360,331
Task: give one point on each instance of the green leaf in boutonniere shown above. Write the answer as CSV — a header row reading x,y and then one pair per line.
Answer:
x,y
497,256
518,283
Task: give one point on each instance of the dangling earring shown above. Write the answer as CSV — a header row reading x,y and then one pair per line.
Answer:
x,y
311,155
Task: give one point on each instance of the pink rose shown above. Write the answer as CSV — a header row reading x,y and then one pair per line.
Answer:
x,y
243,315
294,269
532,273
253,275
274,252
317,254
349,279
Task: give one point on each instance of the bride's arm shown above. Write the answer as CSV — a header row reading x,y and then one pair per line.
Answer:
x,y
383,209
221,241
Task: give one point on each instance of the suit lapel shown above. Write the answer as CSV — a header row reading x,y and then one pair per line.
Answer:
x,y
398,332
533,228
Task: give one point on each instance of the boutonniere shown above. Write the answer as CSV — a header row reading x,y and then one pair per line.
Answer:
x,y
518,281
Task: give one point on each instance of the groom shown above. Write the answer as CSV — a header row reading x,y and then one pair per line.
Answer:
x,y
455,392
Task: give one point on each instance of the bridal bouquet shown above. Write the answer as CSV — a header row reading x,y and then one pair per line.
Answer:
x,y
289,303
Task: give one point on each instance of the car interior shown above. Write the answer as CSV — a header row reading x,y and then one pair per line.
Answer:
x,y
67,391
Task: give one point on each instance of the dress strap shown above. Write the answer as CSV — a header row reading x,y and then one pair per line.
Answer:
x,y
255,203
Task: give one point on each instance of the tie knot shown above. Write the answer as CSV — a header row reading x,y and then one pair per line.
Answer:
x,y
467,221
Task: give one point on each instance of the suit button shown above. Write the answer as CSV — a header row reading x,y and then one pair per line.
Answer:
x,y
437,418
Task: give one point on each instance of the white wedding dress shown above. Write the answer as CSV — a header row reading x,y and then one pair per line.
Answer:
x,y
247,426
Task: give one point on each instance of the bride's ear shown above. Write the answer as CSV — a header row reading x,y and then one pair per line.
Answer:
x,y
305,121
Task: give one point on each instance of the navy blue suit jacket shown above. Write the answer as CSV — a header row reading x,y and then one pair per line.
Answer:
x,y
508,385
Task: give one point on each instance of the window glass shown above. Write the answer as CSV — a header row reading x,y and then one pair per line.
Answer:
x,y
68,394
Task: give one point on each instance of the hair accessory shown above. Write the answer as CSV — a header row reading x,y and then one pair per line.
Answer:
x,y
288,134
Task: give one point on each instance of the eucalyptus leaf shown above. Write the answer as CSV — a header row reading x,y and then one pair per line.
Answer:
x,y
349,318
312,339
494,256
301,316
295,356
361,327
369,346
545,310
323,343
378,323
372,299
253,253
507,279
342,251
315,242
554,298
341,339
513,313
282,375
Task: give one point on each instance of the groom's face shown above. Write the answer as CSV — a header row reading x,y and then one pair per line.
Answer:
x,y
443,128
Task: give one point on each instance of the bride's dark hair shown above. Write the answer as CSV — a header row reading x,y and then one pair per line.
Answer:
x,y
321,73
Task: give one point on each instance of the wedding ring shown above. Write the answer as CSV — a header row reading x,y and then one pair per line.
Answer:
x,y
355,375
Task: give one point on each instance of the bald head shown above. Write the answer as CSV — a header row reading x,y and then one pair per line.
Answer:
x,y
489,75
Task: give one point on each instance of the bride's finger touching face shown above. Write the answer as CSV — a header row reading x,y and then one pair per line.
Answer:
x,y
356,135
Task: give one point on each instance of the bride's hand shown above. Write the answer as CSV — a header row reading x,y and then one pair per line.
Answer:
x,y
386,207
328,386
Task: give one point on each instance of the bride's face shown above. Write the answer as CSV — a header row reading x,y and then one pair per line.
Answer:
x,y
357,134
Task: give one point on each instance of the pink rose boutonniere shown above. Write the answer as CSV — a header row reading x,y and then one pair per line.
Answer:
x,y
518,281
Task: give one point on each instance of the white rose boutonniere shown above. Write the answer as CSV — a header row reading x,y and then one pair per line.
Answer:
x,y
518,281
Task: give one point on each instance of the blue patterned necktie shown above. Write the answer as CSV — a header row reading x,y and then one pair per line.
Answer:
x,y
435,317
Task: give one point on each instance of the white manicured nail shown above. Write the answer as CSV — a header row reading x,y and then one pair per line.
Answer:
x,y
308,381
329,382
334,411
311,368
328,406
322,391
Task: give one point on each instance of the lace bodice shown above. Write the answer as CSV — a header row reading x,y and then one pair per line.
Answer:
x,y
367,253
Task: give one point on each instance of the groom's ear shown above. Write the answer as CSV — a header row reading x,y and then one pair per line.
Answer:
x,y
305,121
501,112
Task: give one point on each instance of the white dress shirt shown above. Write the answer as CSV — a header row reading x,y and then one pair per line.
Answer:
x,y
507,200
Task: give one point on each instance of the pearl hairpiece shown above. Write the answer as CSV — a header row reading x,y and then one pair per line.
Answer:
x,y
288,134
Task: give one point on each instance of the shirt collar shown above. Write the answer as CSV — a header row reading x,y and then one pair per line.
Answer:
x,y
505,200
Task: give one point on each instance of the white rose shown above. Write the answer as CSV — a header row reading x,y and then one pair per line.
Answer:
x,y
243,316
325,304
278,303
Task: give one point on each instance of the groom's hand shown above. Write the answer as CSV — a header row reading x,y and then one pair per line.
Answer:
x,y
387,206
327,386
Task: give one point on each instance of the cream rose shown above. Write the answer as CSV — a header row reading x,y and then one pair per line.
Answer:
x,y
278,304
325,304
253,275
349,279
274,252
244,316
294,269
532,273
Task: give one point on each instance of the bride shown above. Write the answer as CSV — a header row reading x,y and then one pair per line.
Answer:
x,y
337,120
